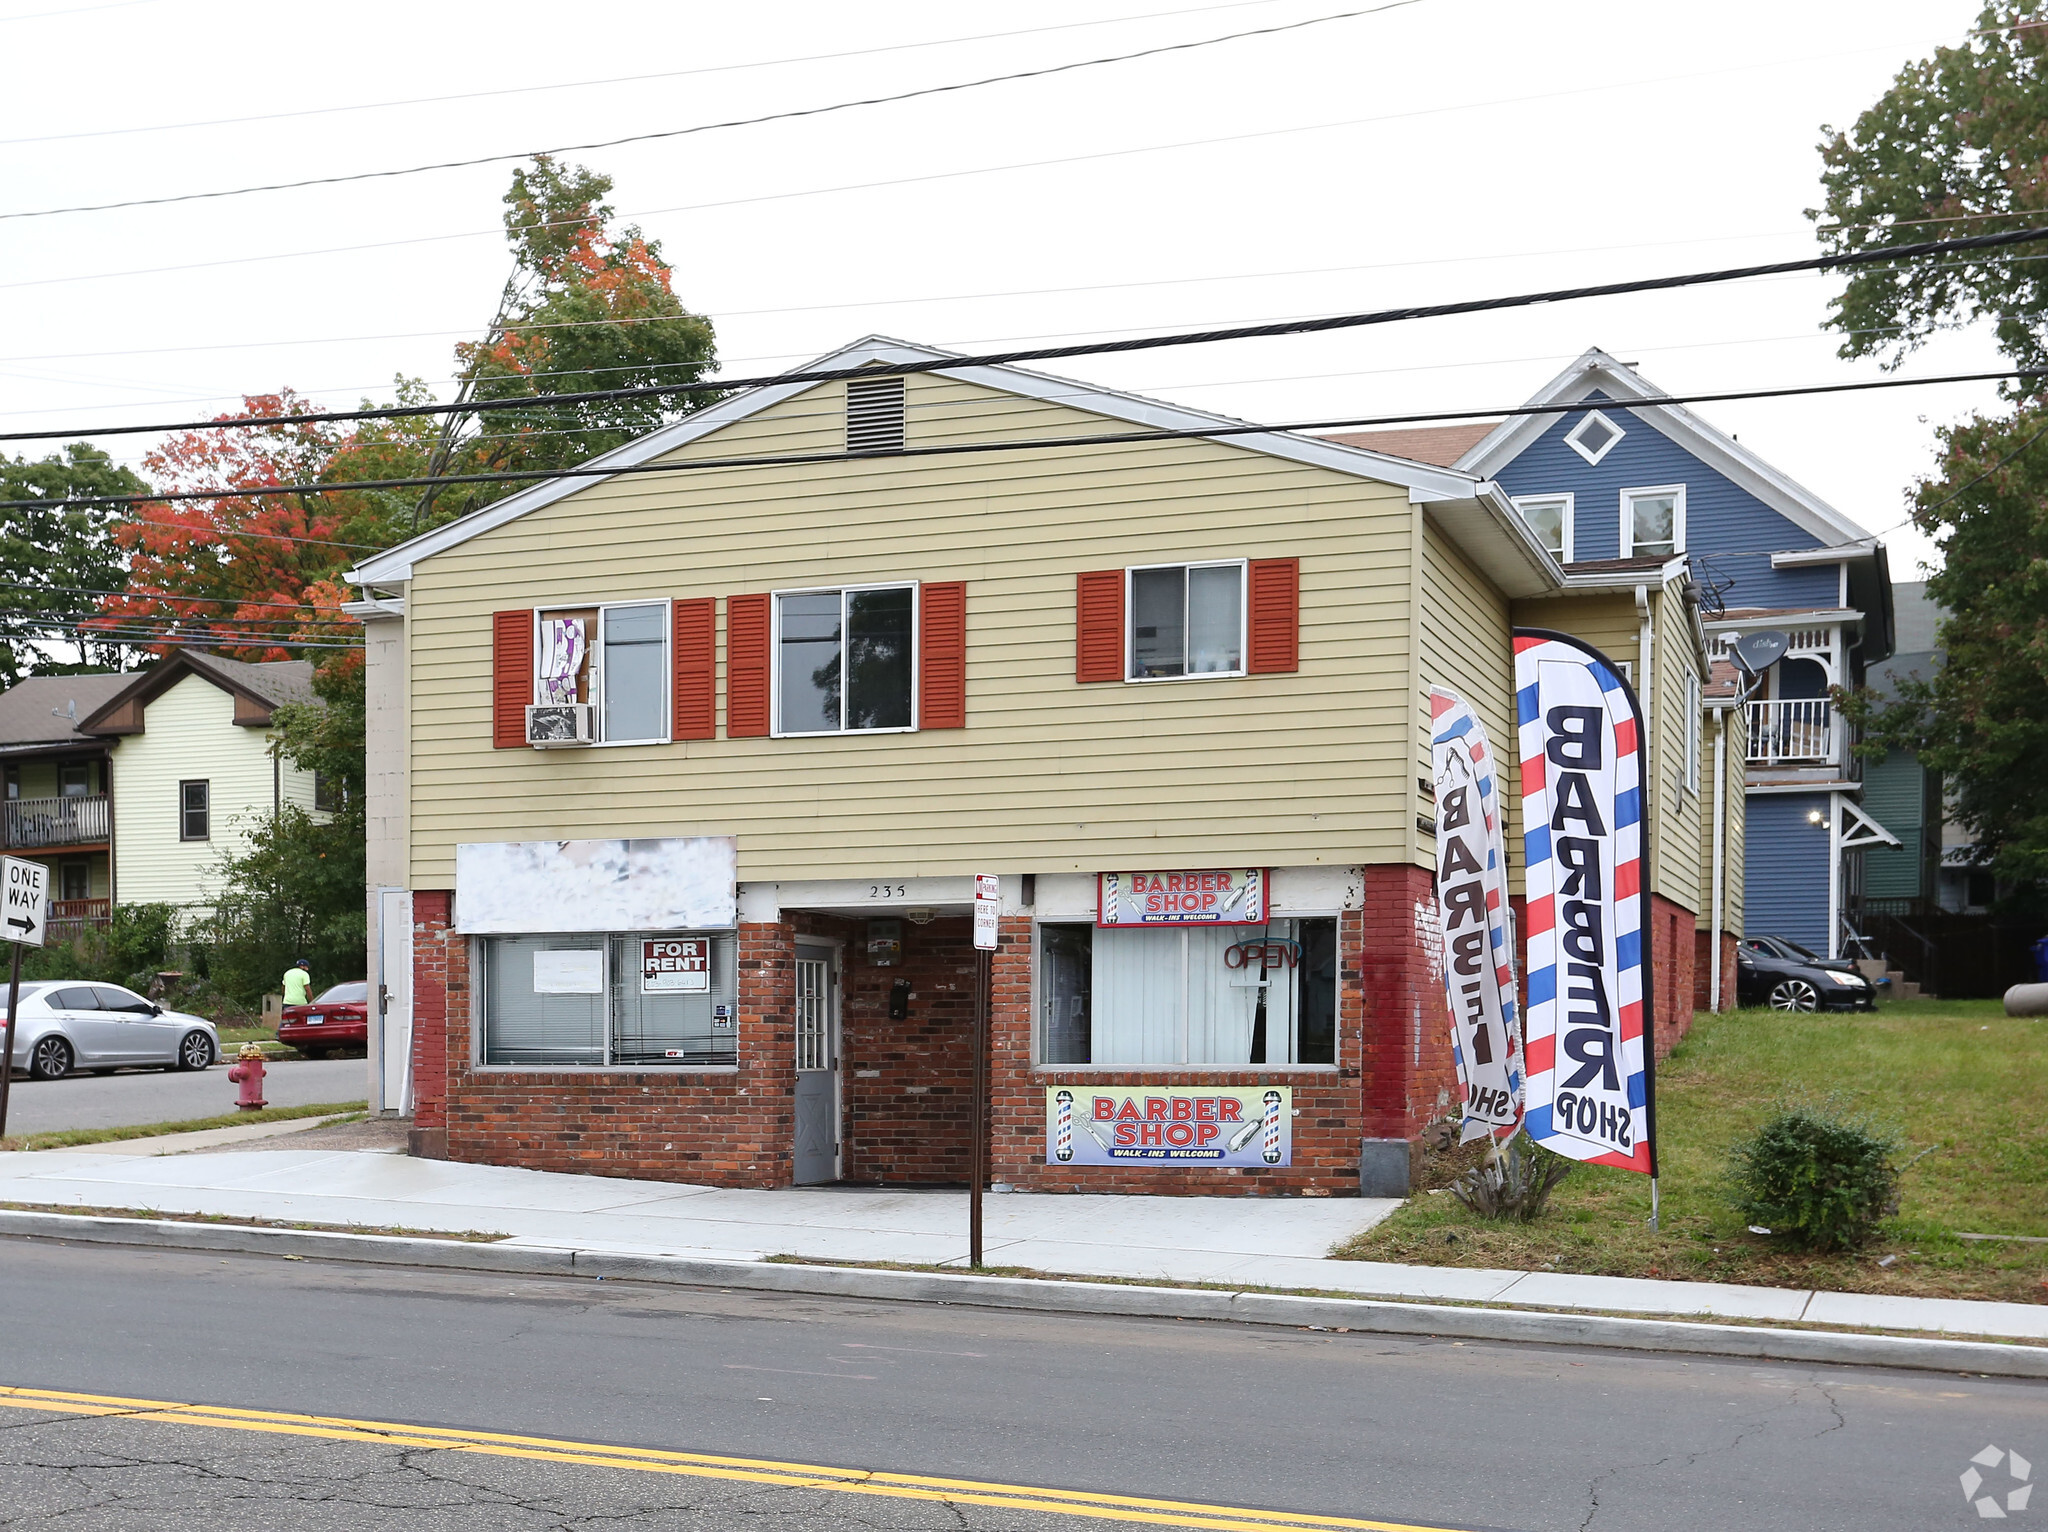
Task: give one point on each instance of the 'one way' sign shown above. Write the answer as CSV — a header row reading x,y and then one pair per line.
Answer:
x,y
25,911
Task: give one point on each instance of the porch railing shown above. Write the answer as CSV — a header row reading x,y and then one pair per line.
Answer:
x,y
32,824
1801,729
68,917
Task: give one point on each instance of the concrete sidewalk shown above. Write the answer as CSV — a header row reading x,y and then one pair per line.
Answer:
x,y
1237,1241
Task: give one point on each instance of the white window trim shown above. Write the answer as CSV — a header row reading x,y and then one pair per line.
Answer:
x,y
916,589
595,641
1244,620
1628,516
1571,439
1522,503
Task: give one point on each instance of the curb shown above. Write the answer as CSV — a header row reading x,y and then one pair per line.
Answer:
x,y
1052,1295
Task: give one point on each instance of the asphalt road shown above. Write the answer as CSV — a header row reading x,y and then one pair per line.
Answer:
x,y
146,1095
1419,1433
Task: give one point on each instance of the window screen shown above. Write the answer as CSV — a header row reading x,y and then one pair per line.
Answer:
x,y
1187,620
587,1000
195,812
1546,518
635,672
1165,997
1653,525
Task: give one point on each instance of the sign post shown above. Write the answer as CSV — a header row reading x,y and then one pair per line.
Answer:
x,y
988,906
24,915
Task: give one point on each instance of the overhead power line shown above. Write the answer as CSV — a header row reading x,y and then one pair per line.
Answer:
x,y
149,595
1314,326
1100,439
714,127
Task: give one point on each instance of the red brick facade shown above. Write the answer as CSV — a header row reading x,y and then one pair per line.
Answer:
x,y
1702,995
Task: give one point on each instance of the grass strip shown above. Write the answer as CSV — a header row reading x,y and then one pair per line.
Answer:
x,y
72,1138
462,1236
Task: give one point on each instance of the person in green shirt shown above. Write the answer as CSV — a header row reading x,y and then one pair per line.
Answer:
x,y
298,983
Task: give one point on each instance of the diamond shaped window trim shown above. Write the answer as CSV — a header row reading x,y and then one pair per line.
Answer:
x,y
1594,437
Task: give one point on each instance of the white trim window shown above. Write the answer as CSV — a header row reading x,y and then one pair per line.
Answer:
x,y
1550,518
613,656
1594,437
846,660
596,1002
1653,522
1185,620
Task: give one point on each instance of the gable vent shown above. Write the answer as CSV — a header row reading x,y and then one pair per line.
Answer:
x,y
874,415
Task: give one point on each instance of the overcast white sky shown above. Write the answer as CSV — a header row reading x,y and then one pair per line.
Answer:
x,y
1437,151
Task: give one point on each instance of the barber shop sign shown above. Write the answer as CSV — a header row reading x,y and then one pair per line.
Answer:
x,y
1589,1023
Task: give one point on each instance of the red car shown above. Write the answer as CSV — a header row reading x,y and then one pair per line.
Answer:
x,y
339,1017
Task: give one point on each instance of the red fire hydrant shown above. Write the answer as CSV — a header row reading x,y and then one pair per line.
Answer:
x,y
248,1073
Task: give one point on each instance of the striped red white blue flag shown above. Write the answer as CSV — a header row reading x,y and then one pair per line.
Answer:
x,y
1590,1088
1474,918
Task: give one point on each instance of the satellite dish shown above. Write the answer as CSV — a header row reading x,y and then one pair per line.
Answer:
x,y
1758,652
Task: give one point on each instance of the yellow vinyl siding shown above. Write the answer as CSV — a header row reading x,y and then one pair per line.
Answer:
x,y
1280,769
1467,648
1680,871
1732,784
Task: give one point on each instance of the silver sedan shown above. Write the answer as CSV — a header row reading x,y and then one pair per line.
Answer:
x,y
64,1024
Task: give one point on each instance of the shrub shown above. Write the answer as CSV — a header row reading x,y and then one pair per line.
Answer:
x,y
1517,1185
131,950
1816,1179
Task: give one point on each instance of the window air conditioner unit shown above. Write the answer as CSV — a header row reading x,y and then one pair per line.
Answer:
x,y
553,724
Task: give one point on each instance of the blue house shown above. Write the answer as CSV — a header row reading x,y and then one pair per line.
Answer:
x,y
1626,482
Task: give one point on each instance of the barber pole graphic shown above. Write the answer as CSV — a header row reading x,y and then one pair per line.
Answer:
x,y
1063,1129
1473,914
1270,1152
1590,1093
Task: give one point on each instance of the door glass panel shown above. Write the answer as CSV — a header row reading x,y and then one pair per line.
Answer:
x,y
809,663
1159,622
1215,611
77,998
633,680
113,998
878,659
1069,960
813,1021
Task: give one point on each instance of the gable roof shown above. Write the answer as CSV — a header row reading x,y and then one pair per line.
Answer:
x,y
1471,510
1441,445
1595,372
46,710
258,689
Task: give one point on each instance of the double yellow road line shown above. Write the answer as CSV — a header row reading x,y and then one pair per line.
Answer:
x,y
696,1465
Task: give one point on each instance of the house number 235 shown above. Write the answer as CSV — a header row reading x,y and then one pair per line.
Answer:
x,y
888,891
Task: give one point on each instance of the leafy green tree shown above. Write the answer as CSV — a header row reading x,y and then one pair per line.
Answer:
x,y
47,557
1982,718
589,307
1958,145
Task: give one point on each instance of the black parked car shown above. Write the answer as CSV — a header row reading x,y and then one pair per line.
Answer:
x,y
1769,970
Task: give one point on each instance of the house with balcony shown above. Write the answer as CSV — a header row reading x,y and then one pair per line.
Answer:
x,y
1612,481
130,787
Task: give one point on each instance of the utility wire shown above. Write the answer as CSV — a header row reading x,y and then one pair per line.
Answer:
x,y
139,595
713,127
954,449
1275,329
1961,489
628,79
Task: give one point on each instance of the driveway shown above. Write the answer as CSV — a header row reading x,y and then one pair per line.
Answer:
x,y
139,1096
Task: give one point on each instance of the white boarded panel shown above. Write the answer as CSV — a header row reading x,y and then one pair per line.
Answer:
x,y
536,886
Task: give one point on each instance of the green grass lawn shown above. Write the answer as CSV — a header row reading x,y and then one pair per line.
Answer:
x,y
1963,1083
72,1138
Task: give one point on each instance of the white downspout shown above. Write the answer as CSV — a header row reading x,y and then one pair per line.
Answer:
x,y
1646,691
1717,914
1834,875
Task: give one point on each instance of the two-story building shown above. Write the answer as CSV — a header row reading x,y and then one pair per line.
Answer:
x,y
183,748
680,778
1624,481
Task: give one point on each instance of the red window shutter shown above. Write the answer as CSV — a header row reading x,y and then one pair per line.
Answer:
x,y
511,677
942,656
1275,625
746,667
1099,626
693,654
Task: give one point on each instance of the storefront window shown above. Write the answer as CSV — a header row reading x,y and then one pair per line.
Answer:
x,y
1214,995
630,1000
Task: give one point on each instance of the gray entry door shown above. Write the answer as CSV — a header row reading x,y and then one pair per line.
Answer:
x,y
817,1068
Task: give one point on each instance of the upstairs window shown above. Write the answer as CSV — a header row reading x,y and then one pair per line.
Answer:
x,y
874,415
195,811
1187,620
1550,518
1653,522
614,656
1594,437
845,660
